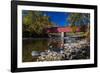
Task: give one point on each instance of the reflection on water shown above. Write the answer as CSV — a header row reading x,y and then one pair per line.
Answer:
x,y
30,45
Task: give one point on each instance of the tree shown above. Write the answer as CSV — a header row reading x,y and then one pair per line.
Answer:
x,y
35,21
79,19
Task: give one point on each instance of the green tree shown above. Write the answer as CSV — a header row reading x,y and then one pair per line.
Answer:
x,y
36,21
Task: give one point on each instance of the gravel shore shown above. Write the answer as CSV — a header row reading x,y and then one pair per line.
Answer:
x,y
71,51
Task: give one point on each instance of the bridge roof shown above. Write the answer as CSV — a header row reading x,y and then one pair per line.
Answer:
x,y
62,29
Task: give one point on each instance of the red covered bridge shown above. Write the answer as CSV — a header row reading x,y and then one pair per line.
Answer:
x,y
61,29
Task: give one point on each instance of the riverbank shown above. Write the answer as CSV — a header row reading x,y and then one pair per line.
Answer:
x,y
71,51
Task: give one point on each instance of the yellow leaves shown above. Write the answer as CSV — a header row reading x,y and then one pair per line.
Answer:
x,y
74,28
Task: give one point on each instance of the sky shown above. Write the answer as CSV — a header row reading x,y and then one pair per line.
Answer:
x,y
59,18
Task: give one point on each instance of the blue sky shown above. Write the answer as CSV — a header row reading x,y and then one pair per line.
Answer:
x,y
59,18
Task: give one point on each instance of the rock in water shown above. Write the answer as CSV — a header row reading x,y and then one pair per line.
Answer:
x,y
43,53
35,53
